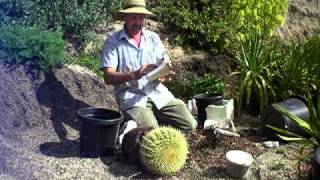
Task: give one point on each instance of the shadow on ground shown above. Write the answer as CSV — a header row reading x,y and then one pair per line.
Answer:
x,y
54,95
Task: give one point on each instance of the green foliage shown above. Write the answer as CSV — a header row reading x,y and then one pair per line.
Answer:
x,y
163,150
312,126
21,43
14,11
76,17
208,84
90,60
257,16
255,72
299,68
222,24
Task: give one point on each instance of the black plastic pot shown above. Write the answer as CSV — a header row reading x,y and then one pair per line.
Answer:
x,y
130,144
203,101
99,131
315,168
296,105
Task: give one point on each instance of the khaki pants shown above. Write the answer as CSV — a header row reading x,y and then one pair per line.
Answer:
x,y
175,113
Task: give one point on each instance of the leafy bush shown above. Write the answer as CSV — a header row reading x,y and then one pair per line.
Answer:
x,y
21,43
76,17
299,69
208,84
221,24
90,60
163,150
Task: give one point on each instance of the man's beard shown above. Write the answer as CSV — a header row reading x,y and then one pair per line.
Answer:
x,y
136,28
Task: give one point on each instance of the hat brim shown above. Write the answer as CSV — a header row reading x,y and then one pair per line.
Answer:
x,y
136,10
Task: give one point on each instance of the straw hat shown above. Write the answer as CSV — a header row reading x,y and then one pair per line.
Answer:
x,y
135,6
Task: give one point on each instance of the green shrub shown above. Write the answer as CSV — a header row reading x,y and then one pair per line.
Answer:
x,y
15,11
90,60
299,68
76,17
221,24
163,150
207,84
21,43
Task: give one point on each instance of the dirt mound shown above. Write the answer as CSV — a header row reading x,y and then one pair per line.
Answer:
x,y
34,105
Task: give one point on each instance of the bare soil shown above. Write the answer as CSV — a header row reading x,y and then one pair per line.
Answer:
x,y
39,133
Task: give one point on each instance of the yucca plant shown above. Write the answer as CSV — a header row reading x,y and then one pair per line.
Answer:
x,y
163,150
311,126
254,72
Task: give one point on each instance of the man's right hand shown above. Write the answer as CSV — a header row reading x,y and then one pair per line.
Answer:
x,y
144,69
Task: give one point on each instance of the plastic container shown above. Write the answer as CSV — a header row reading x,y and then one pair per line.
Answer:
x,y
221,112
239,163
315,166
99,131
296,105
203,101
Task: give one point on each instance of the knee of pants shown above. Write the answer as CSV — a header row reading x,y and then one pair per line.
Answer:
x,y
191,124
194,124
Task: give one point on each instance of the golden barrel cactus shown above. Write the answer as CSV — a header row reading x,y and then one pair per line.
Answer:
x,y
163,150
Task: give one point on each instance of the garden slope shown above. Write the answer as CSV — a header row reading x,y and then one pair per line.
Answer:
x,y
39,129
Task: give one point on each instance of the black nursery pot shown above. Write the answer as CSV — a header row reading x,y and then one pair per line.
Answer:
x,y
296,105
203,101
315,170
99,131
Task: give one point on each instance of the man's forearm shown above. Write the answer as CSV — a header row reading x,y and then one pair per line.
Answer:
x,y
115,78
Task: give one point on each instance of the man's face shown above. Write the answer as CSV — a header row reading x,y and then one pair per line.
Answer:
x,y
134,23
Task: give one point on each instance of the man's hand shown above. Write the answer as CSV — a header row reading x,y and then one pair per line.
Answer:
x,y
144,69
168,77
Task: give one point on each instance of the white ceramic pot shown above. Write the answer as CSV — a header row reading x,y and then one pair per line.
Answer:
x,y
239,163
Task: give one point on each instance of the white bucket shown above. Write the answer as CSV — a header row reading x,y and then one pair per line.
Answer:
x,y
239,163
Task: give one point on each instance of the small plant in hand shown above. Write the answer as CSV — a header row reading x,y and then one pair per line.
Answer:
x,y
163,150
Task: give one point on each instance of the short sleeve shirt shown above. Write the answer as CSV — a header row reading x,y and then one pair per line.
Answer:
x,y
121,54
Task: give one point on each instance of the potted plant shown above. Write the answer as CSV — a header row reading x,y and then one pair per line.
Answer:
x,y
208,89
311,126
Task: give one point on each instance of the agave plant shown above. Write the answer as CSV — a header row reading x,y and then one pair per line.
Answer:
x,y
312,126
254,72
163,150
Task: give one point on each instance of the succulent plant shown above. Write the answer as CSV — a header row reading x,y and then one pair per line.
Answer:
x,y
163,150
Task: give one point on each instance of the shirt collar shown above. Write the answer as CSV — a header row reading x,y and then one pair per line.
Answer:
x,y
123,34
